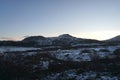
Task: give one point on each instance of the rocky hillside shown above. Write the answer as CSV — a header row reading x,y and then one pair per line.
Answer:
x,y
61,40
64,39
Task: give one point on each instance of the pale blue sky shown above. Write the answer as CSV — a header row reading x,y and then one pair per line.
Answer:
x,y
95,19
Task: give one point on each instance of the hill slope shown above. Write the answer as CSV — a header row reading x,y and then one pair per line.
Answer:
x,y
114,39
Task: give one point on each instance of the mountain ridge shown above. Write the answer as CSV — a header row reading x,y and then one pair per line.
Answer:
x,y
114,39
61,40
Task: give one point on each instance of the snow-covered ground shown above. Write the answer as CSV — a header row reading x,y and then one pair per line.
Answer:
x,y
9,48
72,55
85,54
73,75
44,60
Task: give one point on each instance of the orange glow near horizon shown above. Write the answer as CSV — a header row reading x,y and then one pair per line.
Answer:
x,y
98,35
11,38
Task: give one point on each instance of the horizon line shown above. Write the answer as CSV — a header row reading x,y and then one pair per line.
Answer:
x,y
23,37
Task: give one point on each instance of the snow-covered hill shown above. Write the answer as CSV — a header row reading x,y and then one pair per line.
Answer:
x,y
64,39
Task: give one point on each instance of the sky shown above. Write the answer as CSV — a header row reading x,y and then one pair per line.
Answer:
x,y
94,19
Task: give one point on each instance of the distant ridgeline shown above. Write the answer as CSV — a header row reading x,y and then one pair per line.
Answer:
x,y
61,40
